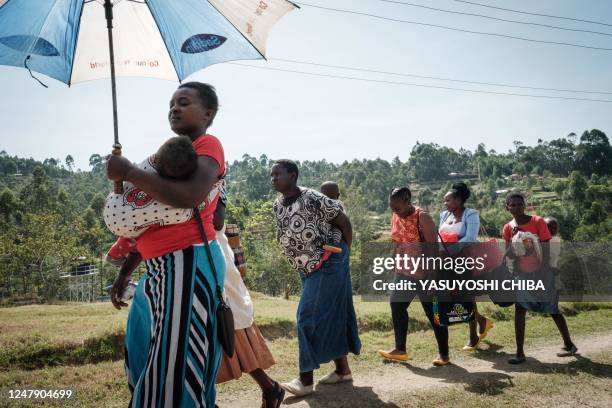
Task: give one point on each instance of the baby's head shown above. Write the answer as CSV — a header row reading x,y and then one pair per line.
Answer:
x,y
330,189
176,158
552,224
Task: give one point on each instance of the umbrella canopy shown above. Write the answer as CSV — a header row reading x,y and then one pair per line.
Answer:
x,y
67,39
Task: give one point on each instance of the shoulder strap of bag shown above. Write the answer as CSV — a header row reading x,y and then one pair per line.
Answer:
x,y
443,244
208,254
448,213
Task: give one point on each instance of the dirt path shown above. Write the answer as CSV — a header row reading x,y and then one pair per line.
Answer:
x,y
382,383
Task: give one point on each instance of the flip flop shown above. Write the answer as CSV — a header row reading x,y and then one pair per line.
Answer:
x,y
397,357
469,348
438,362
568,352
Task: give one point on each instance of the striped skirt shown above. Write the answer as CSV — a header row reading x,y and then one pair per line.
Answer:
x,y
172,352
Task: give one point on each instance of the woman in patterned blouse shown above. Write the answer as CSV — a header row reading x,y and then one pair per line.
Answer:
x,y
326,321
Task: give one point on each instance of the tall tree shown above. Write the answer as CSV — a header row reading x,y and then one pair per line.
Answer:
x,y
594,154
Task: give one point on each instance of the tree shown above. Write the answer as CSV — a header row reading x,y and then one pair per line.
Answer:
x,y
97,163
10,206
426,198
576,188
561,155
421,158
97,204
69,162
520,168
39,194
9,167
594,154
37,253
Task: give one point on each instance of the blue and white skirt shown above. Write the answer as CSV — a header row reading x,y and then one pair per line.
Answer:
x,y
172,352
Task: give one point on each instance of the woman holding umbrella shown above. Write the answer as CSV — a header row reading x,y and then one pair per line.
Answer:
x,y
172,348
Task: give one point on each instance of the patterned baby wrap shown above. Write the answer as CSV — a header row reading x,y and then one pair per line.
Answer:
x,y
131,213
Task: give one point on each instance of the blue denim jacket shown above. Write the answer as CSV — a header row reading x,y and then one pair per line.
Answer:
x,y
469,228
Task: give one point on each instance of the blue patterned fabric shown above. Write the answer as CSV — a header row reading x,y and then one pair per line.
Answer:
x,y
172,352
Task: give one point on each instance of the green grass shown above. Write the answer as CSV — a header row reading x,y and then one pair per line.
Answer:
x,y
42,335
75,336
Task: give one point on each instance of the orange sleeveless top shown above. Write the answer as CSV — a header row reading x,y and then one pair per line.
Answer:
x,y
404,230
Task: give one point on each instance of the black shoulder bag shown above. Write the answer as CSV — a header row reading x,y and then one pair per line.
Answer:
x,y
225,318
451,312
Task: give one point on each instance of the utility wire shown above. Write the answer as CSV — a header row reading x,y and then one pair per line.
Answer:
x,y
422,85
494,18
455,28
438,78
534,14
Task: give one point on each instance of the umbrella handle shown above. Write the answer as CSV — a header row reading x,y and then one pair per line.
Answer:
x,y
118,185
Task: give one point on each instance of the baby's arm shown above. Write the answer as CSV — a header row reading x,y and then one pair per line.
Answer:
x,y
130,264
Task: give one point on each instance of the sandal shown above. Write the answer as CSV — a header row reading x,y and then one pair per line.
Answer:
x,y
467,347
568,351
397,357
277,394
439,361
298,389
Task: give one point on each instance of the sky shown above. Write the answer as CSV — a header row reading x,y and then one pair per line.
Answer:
x,y
287,115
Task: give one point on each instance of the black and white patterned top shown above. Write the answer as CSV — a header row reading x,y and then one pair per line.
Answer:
x,y
303,227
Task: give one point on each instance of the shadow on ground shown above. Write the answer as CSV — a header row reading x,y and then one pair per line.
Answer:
x,y
572,366
341,395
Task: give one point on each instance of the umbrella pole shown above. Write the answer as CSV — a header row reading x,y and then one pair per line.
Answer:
x,y
108,11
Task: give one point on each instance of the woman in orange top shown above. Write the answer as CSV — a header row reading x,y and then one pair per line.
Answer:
x,y
412,225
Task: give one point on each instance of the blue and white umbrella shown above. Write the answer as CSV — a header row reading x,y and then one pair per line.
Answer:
x,y
169,39
81,40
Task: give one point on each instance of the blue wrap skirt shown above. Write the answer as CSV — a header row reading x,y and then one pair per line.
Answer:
x,y
326,321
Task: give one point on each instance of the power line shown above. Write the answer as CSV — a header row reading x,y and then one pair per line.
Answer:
x,y
439,78
422,85
455,28
534,14
494,18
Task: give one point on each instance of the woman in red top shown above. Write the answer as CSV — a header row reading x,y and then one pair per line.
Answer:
x,y
525,268
172,352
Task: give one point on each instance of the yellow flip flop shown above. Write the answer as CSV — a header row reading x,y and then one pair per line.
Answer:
x,y
397,357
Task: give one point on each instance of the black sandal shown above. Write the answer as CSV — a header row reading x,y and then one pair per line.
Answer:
x,y
277,394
